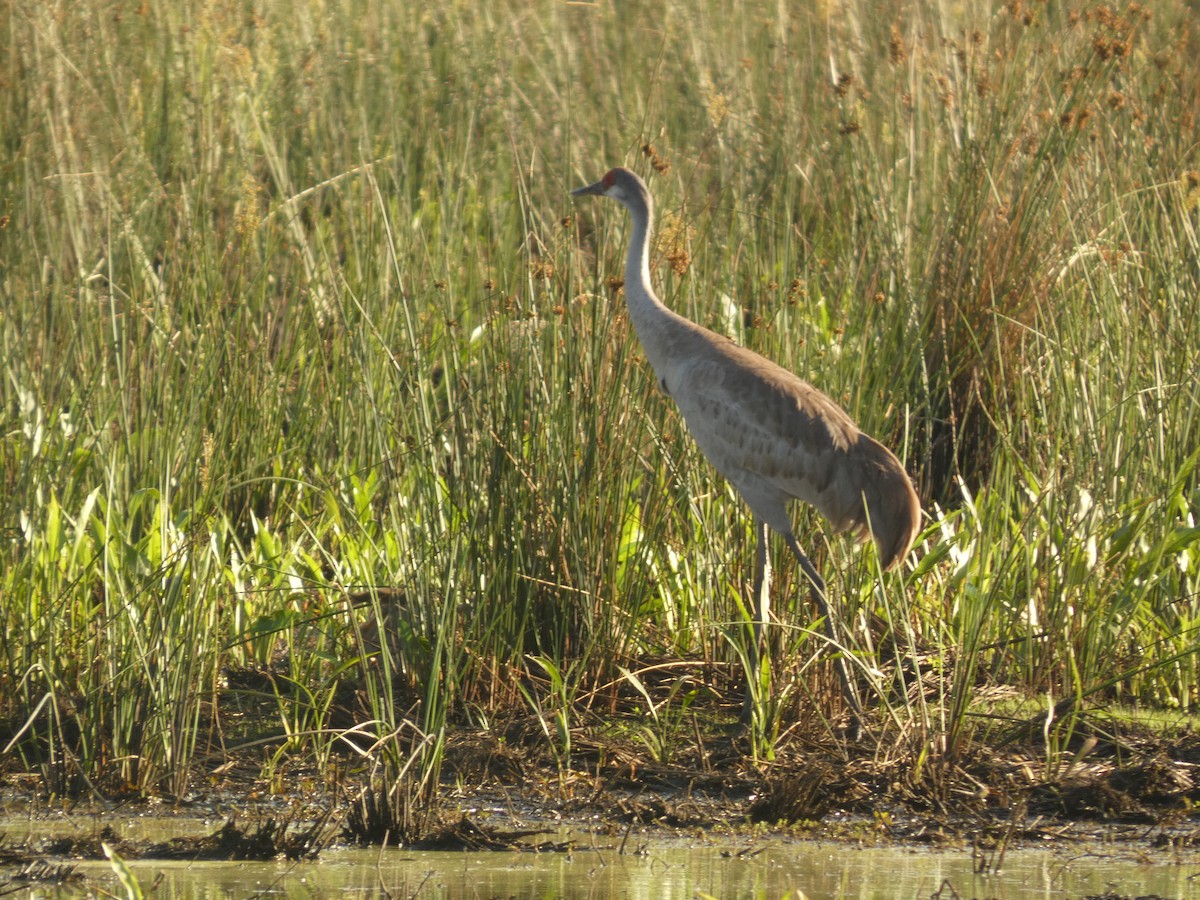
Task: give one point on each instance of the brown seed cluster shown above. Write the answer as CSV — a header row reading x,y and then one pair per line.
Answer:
x,y
1077,118
1107,47
1021,12
661,164
1114,256
896,52
542,268
674,242
796,290
1114,38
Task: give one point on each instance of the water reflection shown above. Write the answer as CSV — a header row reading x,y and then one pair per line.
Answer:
x,y
675,870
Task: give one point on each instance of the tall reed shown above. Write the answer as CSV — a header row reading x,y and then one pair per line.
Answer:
x,y
301,330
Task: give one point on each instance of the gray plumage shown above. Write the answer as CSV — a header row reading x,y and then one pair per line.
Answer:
x,y
771,434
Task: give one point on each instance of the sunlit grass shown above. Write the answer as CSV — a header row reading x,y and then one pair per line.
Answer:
x,y
301,331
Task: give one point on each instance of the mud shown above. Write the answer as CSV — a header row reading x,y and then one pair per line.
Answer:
x,y
504,789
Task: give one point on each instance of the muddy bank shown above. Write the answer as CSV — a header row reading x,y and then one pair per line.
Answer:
x,y
624,781
1124,784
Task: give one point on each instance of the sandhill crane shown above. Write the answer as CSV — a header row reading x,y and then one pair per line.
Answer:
x,y
772,435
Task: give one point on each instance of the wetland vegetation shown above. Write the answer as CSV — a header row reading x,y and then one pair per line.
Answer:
x,y
330,468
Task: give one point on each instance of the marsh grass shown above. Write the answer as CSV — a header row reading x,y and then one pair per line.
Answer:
x,y
297,319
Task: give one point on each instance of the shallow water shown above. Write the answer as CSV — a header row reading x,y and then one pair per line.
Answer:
x,y
663,868
680,872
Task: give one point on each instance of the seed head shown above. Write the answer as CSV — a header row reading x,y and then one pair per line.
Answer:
x,y
661,164
896,52
1191,189
245,218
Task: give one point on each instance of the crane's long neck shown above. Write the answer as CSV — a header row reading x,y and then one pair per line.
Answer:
x,y
651,319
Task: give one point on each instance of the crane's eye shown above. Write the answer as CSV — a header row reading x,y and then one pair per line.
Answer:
x,y
611,178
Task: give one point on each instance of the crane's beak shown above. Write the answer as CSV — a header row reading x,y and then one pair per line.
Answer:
x,y
597,188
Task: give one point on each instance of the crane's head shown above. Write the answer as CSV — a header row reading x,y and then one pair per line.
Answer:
x,y
621,185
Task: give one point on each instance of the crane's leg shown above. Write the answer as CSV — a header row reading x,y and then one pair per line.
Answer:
x,y
762,612
817,589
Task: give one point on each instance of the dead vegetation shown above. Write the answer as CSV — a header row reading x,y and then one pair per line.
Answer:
x,y
1117,783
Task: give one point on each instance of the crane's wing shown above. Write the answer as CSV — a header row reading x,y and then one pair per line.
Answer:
x,y
775,436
